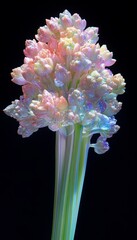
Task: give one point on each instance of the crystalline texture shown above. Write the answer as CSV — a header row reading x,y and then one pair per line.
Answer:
x,y
65,80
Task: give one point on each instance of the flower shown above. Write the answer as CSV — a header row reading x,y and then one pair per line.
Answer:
x,y
66,80
68,87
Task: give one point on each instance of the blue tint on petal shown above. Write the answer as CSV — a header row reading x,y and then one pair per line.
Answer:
x,y
58,83
102,105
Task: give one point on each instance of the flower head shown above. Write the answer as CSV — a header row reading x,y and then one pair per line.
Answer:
x,y
65,80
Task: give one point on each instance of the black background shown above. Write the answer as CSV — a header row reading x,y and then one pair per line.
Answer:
x,y
108,207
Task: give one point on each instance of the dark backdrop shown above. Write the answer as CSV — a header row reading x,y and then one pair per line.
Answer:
x,y
108,209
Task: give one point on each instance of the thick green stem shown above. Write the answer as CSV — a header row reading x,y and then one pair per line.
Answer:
x,y
80,181
71,158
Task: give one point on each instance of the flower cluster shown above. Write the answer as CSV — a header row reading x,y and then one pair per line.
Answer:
x,y
65,80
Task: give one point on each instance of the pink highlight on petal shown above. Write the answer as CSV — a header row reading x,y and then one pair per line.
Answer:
x,y
66,21
61,103
31,49
78,22
53,25
44,34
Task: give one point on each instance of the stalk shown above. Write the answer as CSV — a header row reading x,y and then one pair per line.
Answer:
x,y
71,159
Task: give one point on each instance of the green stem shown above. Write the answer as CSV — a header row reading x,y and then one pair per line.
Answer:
x,y
64,144
71,159
81,175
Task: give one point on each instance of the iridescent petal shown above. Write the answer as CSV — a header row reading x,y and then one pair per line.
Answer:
x,y
66,80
